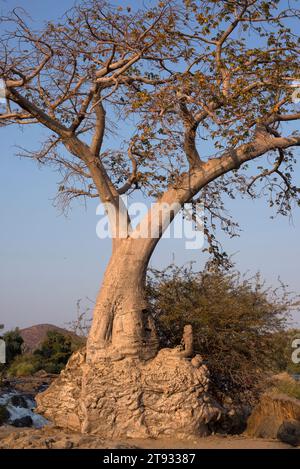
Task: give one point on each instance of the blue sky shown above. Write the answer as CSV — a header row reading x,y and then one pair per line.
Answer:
x,y
49,261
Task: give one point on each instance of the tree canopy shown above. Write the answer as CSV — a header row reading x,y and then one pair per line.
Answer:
x,y
13,342
204,88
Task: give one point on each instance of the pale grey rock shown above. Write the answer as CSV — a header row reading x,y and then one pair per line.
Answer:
x,y
165,396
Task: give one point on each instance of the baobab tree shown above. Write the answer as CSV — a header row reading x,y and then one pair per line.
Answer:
x,y
205,87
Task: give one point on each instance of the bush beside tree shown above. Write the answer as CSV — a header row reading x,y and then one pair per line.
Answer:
x,y
240,326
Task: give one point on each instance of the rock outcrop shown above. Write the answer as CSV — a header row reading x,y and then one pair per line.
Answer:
x,y
163,397
289,432
271,412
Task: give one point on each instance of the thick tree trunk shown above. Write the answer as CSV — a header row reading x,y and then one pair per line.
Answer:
x,y
121,386
122,325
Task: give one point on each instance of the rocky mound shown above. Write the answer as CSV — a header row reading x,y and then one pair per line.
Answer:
x,y
271,412
164,397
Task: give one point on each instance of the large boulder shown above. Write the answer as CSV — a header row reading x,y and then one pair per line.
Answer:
x,y
165,396
289,432
271,412
18,401
21,422
233,420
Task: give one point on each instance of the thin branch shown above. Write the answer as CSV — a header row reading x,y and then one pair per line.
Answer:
x,y
266,172
99,128
133,177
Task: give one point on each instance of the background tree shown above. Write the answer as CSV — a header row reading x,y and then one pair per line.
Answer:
x,y
51,356
181,74
240,325
14,342
55,351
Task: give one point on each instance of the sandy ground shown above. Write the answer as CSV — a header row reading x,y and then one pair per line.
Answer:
x,y
12,438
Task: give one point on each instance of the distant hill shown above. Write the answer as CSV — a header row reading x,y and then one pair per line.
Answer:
x,y
33,336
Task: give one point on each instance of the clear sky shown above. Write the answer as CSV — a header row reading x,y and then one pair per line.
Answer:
x,y
48,261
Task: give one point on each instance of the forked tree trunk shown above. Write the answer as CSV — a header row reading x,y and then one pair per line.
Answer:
x,y
122,325
121,386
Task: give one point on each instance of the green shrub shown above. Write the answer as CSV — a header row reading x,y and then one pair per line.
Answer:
x,y
55,351
52,356
14,342
23,365
21,369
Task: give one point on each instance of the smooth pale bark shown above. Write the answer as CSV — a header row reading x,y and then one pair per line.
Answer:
x,y
122,325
